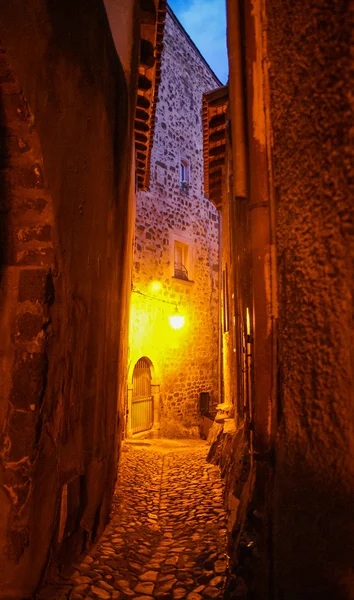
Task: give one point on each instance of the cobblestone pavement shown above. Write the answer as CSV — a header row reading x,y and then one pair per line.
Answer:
x,y
167,534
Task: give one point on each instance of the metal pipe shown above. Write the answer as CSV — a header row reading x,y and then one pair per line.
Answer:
x,y
260,227
236,98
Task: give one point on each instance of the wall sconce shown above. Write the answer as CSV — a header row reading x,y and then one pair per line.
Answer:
x,y
176,320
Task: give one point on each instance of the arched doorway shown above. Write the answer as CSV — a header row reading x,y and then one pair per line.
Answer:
x,y
142,375
142,409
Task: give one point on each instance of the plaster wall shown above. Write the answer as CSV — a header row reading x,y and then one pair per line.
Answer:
x,y
185,361
66,210
309,45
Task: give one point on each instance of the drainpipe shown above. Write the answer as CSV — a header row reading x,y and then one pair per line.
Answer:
x,y
238,181
251,176
249,100
220,339
236,99
261,248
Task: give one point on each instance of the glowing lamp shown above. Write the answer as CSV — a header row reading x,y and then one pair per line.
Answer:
x,y
155,286
176,320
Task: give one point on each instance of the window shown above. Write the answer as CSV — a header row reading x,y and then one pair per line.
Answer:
x,y
182,257
184,175
160,173
181,260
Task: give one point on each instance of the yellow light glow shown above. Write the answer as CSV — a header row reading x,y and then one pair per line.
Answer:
x,y
176,320
248,322
155,286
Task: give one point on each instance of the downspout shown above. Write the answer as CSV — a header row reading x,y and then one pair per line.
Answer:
x,y
264,273
250,143
239,191
236,99
251,178
220,337
260,219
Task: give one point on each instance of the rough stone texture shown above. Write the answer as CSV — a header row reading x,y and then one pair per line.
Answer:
x,y
65,149
167,536
291,507
185,362
312,120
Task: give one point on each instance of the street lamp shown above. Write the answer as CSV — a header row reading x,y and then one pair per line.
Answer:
x,y
176,320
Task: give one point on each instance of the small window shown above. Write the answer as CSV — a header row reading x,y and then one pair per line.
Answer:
x,y
160,172
181,260
184,175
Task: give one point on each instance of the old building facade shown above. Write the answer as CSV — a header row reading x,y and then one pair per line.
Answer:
x,y
176,260
77,87
68,88
284,186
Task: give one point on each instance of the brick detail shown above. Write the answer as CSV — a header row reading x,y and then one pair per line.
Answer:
x,y
28,326
33,285
27,251
20,432
28,379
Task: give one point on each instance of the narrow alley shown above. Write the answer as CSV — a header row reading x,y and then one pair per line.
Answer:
x,y
176,260
167,535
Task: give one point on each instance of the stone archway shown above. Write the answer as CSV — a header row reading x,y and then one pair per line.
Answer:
x,y
155,393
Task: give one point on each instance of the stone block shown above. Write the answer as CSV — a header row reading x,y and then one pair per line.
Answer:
x,y
21,431
23,176
41,256
16,112
33,285
28,326
28,380
39,233
20,204
11,145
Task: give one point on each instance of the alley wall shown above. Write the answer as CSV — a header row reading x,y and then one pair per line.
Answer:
x,y
185,362
312,117
66,131
289,469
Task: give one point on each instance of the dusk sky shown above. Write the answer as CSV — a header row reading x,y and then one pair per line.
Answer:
x,y
205,23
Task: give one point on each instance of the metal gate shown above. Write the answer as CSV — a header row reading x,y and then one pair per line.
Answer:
x,y
142,408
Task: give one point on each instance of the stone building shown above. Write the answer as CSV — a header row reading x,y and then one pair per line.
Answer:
x,y
176,260
68,83
278,164
77,86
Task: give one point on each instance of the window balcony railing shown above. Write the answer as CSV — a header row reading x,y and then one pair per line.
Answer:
x,y
185,187
181,272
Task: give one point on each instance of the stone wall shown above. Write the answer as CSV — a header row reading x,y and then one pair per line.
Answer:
x,y
312,116
186,361
65,171
291,501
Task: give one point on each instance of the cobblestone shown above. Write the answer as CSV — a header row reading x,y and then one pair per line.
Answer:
x,y
167,535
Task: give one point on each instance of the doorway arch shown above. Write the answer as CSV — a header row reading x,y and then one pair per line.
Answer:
x,y
142,400
143,397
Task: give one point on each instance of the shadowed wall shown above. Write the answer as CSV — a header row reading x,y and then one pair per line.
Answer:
x,y
311,114
292,520
66,131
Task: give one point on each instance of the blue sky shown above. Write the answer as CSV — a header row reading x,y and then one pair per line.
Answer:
x,y
205,23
